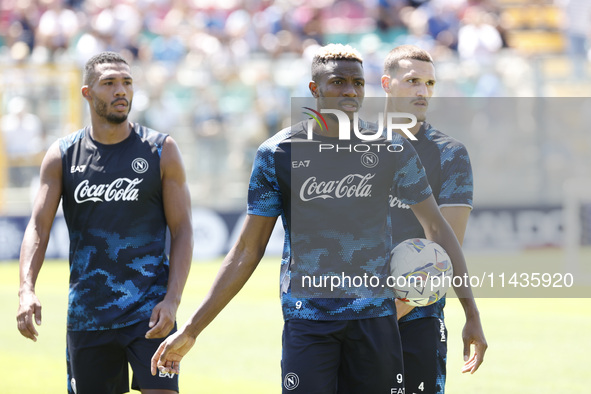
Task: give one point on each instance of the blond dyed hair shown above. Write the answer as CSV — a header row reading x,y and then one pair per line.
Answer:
x,y
333,52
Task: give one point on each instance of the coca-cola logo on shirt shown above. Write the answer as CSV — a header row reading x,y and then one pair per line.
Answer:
x,y
352,185
121,189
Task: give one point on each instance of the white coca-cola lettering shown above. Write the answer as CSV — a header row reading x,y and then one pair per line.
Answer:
x,y
352,185
121,189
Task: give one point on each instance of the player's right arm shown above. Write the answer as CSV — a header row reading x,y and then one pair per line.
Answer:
x,y
35,241
457,217
235,271
472,333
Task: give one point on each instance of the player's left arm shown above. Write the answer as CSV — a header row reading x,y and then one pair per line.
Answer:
x,y
437,229
177,209
472,334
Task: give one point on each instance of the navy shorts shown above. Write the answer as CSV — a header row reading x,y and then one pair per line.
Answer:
x,y
351,356
97,361
424,345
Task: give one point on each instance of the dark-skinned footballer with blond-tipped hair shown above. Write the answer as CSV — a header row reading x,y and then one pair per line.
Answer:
x,y
341,340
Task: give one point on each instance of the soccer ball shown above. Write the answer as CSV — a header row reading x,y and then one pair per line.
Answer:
x,y
421,271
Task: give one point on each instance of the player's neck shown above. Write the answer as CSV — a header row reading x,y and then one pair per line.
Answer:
x,y
331,129
108,134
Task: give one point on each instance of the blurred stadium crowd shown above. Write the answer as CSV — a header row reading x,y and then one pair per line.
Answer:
x,y
218,74
170,31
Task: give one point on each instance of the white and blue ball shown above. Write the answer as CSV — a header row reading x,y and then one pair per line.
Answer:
x,y
421,271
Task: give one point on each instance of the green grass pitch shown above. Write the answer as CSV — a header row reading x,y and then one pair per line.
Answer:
x,y
536,345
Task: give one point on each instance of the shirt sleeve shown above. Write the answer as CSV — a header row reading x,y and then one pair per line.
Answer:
x,y
457,185
264,196
410,183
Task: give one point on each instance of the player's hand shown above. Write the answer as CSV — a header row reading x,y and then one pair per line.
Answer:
x,y
168,357
162,319
472,334
402,309
29,306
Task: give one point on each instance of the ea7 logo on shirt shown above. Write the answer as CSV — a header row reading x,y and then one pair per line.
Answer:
x,y
300,163
74,169
140,165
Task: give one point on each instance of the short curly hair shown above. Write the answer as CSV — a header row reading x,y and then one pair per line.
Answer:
x,y
333,52
101,58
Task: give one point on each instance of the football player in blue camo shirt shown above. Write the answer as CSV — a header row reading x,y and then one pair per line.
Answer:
x,y
409,80
335,212
121,185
